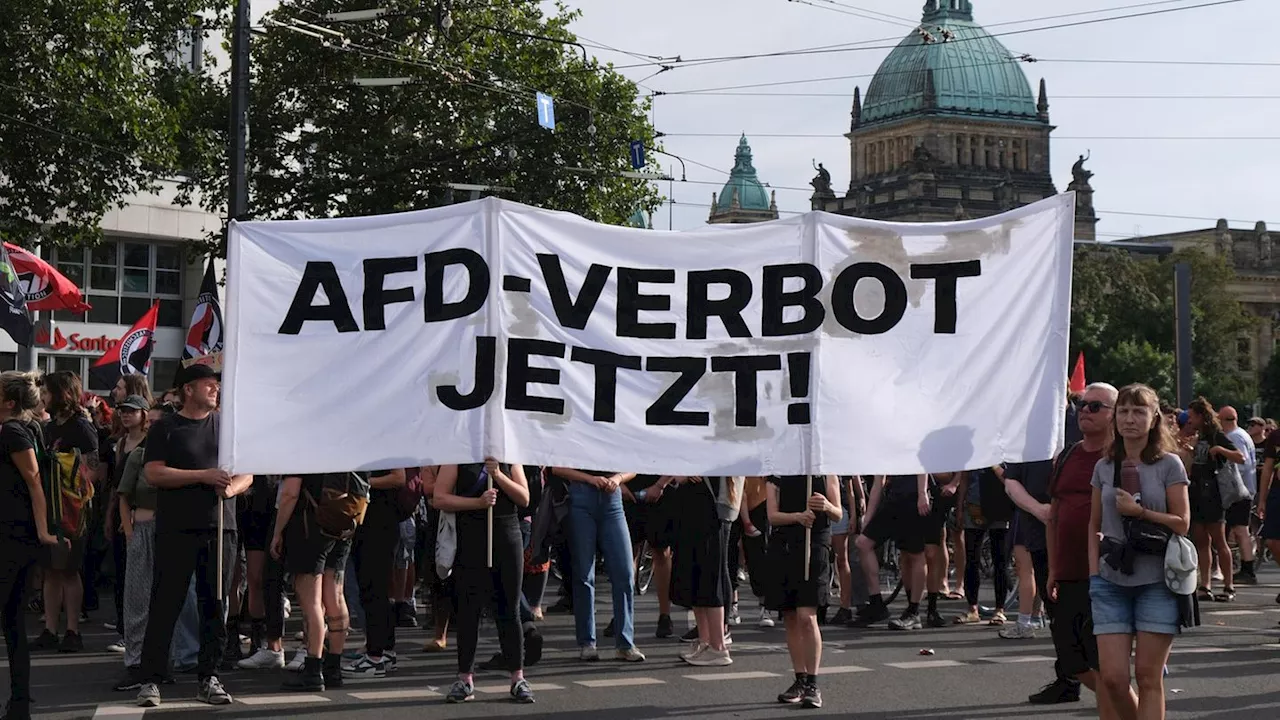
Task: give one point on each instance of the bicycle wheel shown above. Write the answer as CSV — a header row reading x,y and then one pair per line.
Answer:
x,y
644,569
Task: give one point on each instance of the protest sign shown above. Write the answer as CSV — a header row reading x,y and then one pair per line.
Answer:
x,y
816,344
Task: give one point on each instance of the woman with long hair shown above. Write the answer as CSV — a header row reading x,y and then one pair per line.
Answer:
x,y
464,490
795,593
1139,480
23,527
136,502
68,429
1205,450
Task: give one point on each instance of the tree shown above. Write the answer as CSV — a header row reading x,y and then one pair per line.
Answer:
x,y
321,146
93,108
1122,318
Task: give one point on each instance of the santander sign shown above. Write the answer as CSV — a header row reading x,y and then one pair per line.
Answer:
x,y
81,343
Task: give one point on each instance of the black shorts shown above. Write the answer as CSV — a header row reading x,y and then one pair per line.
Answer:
x,y
1271,525
308,552
659,521
935,525
898,519
1238,515
1072,629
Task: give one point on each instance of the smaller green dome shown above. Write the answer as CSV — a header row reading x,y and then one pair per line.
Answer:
x,y
751,194
637,220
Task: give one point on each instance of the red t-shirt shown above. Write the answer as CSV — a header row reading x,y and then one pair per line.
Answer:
x,y
1074,492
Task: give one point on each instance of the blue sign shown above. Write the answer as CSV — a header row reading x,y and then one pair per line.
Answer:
x,y
637,154
546,111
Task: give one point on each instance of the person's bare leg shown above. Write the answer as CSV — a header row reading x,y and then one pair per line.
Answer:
x,y
1218,531
334,604
307,588
73,599
870,564
795,643
936,559
841,545
1114,678
1026,581
662,579
713,619
811,639
1200,536
961,560
1149,661
913,576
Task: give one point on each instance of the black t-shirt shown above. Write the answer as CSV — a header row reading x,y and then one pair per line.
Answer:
x,y
901,488
185,444
76,433
382,503
1034,477
17,523
472,483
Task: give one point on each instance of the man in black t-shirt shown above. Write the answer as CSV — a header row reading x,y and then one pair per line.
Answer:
x,y
182,464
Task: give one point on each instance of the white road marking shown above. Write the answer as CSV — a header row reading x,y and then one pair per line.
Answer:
x,y
119,712
1011,659
280,699
842,669
1193,650
395,694
505,689
921,664
1233,613
755,675
620,682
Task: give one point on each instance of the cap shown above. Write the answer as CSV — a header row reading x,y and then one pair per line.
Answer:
x,y
137,402
1183,417
194,372
1256,421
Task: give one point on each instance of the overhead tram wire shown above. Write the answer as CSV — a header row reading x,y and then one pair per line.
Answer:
x,y
857,47
836,7
891,16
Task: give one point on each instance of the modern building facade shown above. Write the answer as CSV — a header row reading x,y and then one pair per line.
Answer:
x,y
147,254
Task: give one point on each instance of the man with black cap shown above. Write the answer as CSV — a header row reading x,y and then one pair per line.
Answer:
x,y
181,462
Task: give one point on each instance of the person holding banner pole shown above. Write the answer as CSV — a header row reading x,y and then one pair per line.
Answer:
x,y
800,558
597,523
489,564
181,462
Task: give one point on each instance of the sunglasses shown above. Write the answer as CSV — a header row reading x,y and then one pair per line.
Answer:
x,y
1093,406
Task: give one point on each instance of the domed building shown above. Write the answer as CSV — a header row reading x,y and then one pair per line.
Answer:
x,y
950,129
743,199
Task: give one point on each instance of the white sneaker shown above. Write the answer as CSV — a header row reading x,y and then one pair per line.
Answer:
x,y
631,654
728,638
299,659
288,608
734,618
299,636
766,618
588,653
1217,574
710,658
264,659
116,647
1018,631
694,649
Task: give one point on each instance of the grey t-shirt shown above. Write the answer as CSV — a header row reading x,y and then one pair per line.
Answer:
x,y
1154,480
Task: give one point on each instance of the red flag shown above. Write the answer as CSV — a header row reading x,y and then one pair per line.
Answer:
x,y
44,287
131,355
1077,376
205,335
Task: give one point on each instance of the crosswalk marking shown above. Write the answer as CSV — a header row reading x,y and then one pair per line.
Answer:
x,y
281,699
842,670
1233,613
754,675
396,694
1193,650
504,689
620,682
918,664
118,712
1012,659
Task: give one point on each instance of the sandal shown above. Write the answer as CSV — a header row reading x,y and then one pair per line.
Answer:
x,y
998,618
1227,595
433,646
967,618
1205,595
956,595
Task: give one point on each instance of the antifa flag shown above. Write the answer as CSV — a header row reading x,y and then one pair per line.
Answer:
x,y
205,335
132,355
44,287
14,318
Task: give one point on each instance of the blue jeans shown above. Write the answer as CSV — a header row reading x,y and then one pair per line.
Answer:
x,y
185,649
597,521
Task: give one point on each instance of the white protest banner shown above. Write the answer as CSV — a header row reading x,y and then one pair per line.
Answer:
x,y
817,344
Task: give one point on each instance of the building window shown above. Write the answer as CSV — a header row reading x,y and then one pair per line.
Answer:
x,y
1244,354
959,150
973,149
1016,152
123,279
8,361
163,372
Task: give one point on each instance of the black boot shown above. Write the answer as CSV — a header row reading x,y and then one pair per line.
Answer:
x,y
17,710
332,671
311,679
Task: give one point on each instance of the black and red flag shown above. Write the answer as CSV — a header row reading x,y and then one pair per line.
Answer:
x,y
43,286
132,355
205,335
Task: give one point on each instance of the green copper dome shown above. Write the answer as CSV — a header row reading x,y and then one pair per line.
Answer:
x,y
949,65
751,194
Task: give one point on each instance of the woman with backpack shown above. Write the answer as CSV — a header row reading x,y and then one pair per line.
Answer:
x,y
23,527
474,493
305,541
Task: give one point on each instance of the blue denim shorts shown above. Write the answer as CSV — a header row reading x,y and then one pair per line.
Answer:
x,y
1121,610
405,545
841,527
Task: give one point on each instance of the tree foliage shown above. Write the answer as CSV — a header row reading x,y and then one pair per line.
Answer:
x,y
1122,318
321,146
93,108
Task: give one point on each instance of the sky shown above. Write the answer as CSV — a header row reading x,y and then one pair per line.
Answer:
x,y
1203,148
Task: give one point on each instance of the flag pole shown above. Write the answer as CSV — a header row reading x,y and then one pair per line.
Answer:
x,y
808,532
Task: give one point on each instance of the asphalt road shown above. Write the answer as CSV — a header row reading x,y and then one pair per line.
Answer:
x,y
1228,669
